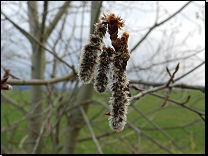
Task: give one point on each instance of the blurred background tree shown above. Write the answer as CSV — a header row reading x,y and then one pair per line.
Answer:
x,y
41,45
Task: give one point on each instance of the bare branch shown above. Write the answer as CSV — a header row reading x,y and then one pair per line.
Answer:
x,y
42,82
14,103
31,38
171,60
91,131
172,76
7,71
157,12
147,136
26,34
173,127
190,71
158,128
53,24
136,97
177,85
166,97
179,103
44,19
156,25
142,128
27,116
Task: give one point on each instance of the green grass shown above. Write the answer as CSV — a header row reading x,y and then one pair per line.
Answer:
x,y
191,138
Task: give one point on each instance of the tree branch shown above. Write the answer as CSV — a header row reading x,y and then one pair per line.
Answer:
x,y
56,19
43,20
156,25
179,103
158,128
190,72
31,38
178,85
147,136
26,34
91,131
14,103
172,127
42,82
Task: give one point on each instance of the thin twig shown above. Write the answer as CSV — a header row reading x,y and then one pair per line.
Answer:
x,y
166,97
172,76
41,131
172,127
156,25
42,82
179,103
91,131
61,113
49,89
136,88
14,103
31,38
150,138
8,73
158,128
190,71
176,85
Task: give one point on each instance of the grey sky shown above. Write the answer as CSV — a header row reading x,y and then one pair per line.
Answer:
x,y
138,16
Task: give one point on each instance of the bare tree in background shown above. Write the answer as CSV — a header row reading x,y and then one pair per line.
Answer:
x,y
49,111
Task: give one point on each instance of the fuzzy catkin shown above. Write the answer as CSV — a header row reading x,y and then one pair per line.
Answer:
x,y
120,88
102,74
119,100
89,58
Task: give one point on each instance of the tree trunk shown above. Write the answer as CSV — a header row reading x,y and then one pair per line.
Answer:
x,y
75,120
41,33
37,72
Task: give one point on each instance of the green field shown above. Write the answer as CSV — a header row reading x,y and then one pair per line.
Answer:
x,y
191,138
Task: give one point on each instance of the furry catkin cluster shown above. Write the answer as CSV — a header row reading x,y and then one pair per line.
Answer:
x,y
99,66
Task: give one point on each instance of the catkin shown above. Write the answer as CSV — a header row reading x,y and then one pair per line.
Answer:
x,y
120,88
102,75
89,58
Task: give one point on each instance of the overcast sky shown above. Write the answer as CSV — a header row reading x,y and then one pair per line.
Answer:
x,y
139,17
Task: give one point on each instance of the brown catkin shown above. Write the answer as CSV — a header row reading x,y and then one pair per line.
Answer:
x,y
95,64
119,100
102,75
89,58
120,88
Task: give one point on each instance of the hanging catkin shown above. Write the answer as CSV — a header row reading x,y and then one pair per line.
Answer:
x,y
92,63
102,74
88,60
120,88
